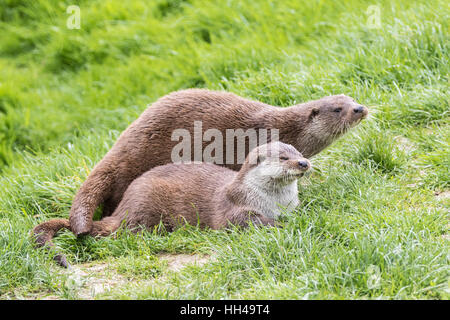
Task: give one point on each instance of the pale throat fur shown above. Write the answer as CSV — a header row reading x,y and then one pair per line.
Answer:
x,y
267,187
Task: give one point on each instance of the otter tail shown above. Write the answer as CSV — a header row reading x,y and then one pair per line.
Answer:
x,y
93,192
44,233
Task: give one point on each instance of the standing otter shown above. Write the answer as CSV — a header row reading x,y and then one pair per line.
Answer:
x,y
147,142
203,194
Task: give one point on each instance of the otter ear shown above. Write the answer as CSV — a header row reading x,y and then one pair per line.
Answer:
x,y
255,158
314,112
260,158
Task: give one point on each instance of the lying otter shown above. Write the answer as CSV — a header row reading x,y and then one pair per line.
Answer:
x,y
309,127
203,194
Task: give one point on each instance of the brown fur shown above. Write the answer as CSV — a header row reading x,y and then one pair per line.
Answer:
x,y
146,143
203,194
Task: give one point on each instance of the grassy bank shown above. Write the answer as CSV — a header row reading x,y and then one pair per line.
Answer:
x,y
374,215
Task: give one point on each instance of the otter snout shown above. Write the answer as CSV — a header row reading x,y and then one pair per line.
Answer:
x,y
304,164
360,111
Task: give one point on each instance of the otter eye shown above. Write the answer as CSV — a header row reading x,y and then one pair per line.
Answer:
x,y
284,158
337,110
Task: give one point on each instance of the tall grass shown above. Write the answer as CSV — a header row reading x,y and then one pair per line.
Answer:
x,y
368,226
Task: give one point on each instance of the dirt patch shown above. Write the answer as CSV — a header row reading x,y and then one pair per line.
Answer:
x,y
179,261
88,280
91,279
443,195
404,144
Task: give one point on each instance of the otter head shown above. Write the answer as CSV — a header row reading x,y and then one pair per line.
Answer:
x,y
332,116
274,164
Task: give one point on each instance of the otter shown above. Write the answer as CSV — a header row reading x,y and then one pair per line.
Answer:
x,y
202,194
147,142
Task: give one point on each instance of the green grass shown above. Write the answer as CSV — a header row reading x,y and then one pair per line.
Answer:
x,y
369,224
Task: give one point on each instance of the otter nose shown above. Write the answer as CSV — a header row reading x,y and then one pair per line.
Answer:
x,y
303,164
358,109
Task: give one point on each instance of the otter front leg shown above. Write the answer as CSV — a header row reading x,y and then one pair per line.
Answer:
x,y
242,217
